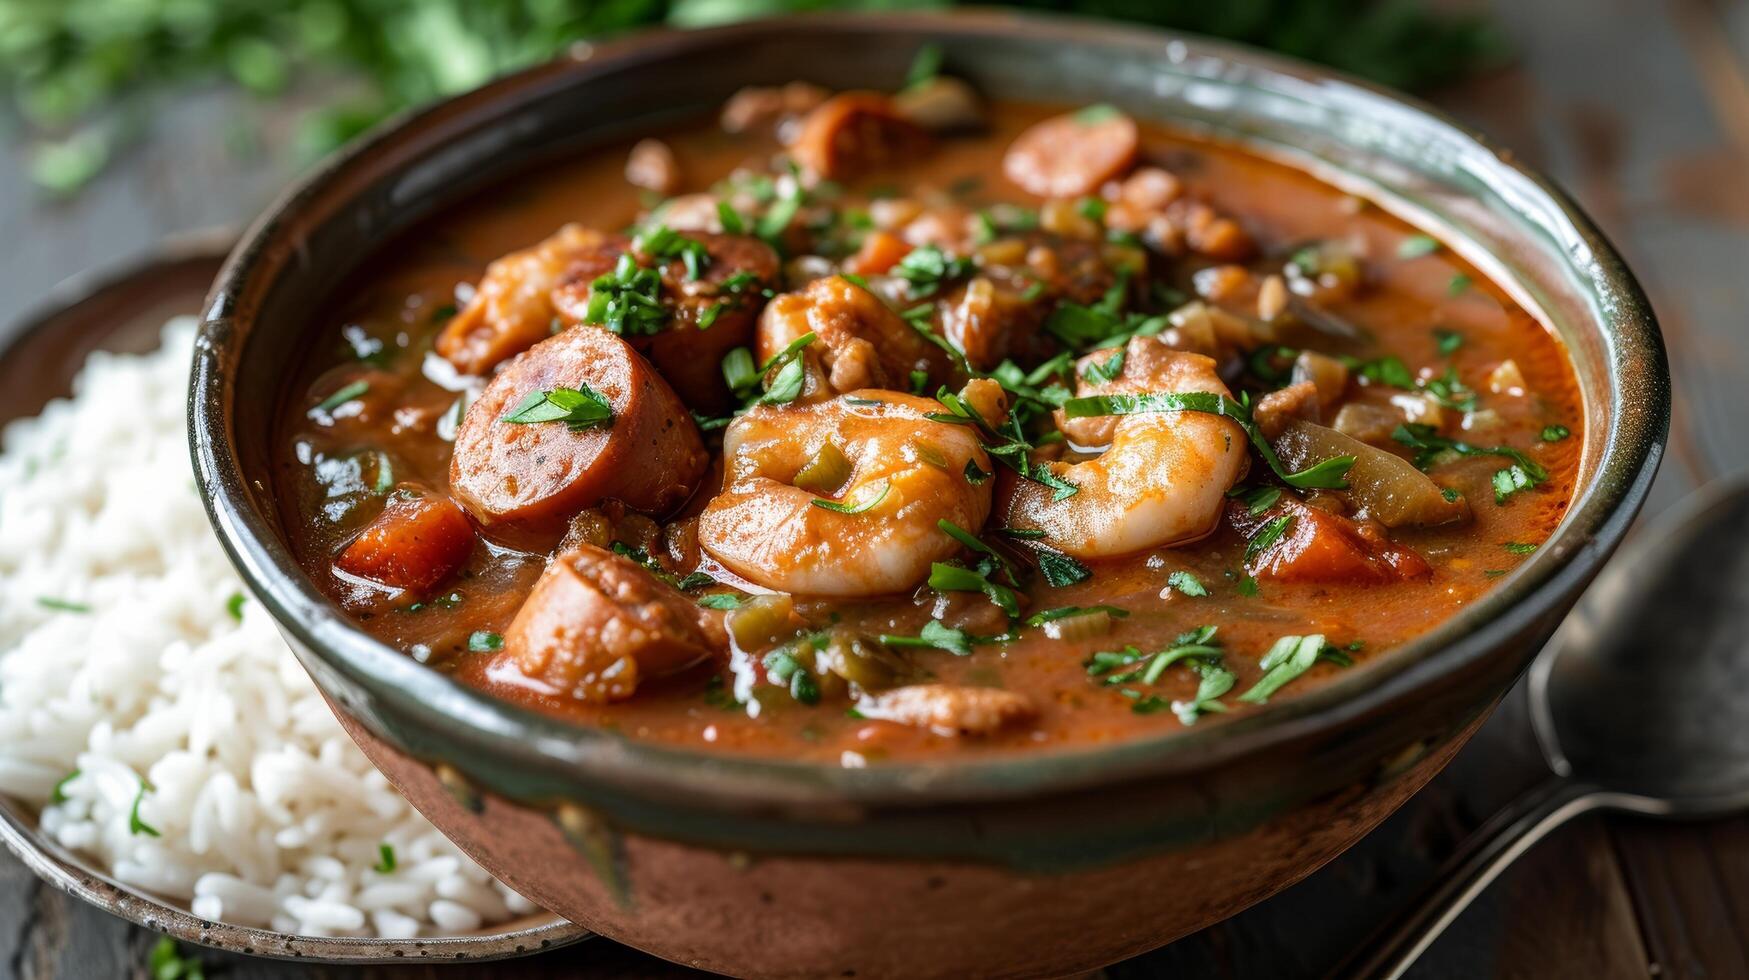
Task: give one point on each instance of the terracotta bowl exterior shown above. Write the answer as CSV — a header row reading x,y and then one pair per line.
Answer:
x,y
1010,866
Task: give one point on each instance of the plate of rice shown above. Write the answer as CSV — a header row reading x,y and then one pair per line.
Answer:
x,y
162,753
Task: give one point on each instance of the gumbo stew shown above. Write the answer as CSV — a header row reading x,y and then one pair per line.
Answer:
x,y
854,426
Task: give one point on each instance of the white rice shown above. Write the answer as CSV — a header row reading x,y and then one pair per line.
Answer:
x,y
121,660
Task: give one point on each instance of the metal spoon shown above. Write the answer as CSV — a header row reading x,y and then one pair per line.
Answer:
x,y
1640,704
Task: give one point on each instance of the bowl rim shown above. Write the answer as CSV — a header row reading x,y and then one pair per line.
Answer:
x,y
1596,519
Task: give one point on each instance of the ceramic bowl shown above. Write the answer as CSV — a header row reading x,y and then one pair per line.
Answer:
x,y
1020,865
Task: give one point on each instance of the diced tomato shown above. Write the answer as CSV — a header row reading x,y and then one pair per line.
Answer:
x,y
419,539
1315,545
881,250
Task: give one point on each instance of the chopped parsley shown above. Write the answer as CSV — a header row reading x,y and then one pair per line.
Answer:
x,y
784,668
721,600
59,794
1432,448
136,826
1416,246
776,219
385,859
731,219
1213,681
484,641
340,397
579,408
166,962
1286,660
1092,208
1064,612
927,268
1458,285
628,300
1449,341
663,242
1555,433
1104,373
946,577
234,606
925,65
1059,569
1267,535
1519,547
1248,586
857,508
1187,583
62,605
1257,499
782,387
934,634
1097,113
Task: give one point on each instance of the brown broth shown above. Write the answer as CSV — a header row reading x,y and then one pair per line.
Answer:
x,y
395,299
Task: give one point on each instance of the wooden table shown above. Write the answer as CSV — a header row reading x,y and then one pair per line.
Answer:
x,y
1642,110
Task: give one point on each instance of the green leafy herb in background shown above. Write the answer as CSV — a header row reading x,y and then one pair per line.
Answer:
x,y
84,74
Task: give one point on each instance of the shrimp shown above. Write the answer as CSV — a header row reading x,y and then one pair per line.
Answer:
x,y
905,474
512,310
596,624
861,342
1161,478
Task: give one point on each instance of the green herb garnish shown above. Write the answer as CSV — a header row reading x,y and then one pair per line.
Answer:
x,y
483,641
1290,657
1096,113
136,826
1416,246
945,577
628,300
340,397
62,605
579,408
927,268
934,634
1267,535
1555,433
858,508
385,859
1187,583
925,65
1063,612
59,794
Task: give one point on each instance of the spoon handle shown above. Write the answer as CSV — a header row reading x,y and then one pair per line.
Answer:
x,y
1481,858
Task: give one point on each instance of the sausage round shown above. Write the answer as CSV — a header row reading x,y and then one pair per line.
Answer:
x,y
531,477
689,355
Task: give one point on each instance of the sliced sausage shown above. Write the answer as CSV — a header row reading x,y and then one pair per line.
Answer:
x,y
512,309
527,479
596,624
705,318
853,133
1072,155
420,539
950,709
